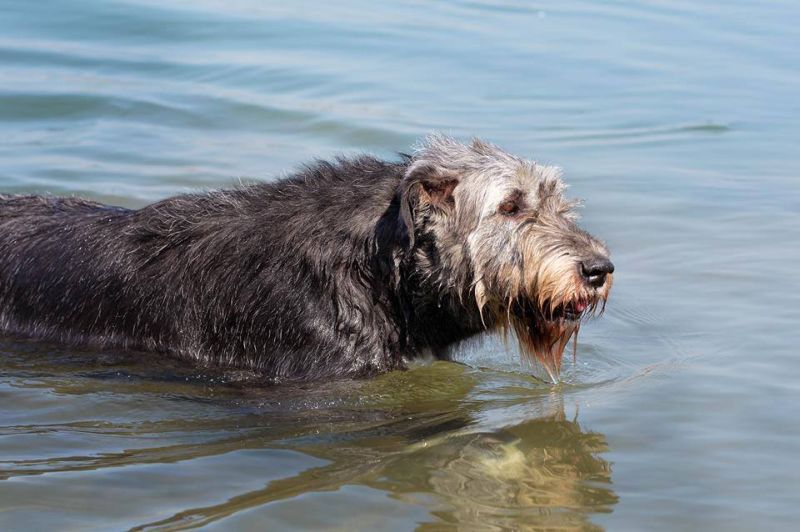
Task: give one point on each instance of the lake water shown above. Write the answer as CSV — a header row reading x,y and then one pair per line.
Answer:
x,y
678,123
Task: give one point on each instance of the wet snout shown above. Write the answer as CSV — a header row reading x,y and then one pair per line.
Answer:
x,y
594,271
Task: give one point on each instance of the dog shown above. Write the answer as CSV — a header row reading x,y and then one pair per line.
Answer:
x,y
347,268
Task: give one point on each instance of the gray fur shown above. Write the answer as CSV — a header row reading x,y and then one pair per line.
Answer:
x,y
346,268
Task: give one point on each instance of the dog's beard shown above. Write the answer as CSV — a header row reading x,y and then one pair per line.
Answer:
x,y
544,336
546,314
544,333
543,341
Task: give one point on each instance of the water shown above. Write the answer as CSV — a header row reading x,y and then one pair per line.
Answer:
x,y
676,121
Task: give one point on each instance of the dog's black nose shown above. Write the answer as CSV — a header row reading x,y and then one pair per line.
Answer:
x,y
594,271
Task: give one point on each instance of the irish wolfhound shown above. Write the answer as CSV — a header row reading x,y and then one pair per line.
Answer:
x,y
346,268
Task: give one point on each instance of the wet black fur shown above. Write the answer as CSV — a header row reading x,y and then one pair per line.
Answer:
x,y
318,275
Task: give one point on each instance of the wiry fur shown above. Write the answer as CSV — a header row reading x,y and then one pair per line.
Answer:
x,y
343,269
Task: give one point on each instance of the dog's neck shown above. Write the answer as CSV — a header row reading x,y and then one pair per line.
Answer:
x,y
436,317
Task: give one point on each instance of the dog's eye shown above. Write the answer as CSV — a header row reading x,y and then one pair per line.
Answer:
x,y
508,208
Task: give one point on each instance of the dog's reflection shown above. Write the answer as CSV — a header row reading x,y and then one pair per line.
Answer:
x,y
541,472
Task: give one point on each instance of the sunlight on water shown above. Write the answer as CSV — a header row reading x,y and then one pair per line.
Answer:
x,y
675,122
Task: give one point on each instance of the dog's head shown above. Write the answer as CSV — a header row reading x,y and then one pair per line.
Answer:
x,y
490,226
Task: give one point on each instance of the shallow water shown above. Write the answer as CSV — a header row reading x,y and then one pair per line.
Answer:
x,y
677,122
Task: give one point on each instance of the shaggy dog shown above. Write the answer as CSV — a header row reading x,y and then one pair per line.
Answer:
x,y
346,268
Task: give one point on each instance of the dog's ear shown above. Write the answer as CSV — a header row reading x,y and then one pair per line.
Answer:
x,y
421,187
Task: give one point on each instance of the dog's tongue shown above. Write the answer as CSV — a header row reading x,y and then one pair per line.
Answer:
x,y
580,306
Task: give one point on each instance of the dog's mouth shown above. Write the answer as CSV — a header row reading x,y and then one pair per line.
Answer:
x,y
572,311
544,333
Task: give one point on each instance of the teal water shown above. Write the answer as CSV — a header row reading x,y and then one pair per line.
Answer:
x,y
677,122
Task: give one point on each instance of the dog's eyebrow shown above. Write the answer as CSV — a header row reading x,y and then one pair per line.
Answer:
x,y
516,195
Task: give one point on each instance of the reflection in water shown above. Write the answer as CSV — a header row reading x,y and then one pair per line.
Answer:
x,y
444,439
542,472
545,473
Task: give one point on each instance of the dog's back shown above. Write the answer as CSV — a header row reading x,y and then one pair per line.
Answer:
x,y
15,207
56,279
259,277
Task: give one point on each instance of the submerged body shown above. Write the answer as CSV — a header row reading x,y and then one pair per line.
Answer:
x,y
344,269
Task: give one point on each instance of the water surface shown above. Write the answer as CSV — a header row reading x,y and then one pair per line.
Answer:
x,y
677,122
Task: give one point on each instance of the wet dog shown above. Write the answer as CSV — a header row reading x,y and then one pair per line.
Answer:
x,y
346,268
